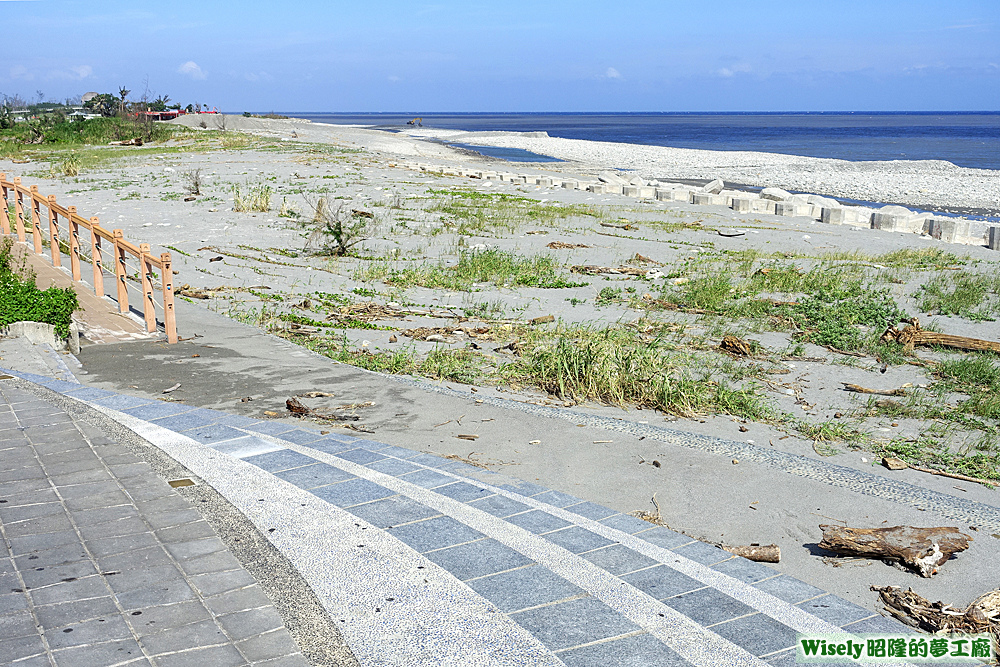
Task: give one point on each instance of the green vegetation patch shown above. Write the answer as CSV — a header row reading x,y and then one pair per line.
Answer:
x,y
22,301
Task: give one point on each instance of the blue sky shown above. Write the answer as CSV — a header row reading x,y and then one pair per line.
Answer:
x,y
510,55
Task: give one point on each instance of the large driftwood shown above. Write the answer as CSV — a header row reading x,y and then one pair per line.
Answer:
x,y
923,549
912,335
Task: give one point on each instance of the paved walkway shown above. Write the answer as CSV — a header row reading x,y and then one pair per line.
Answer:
x,y
422,560
103,563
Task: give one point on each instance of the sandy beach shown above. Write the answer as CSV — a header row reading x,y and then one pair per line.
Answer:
x,y
569,264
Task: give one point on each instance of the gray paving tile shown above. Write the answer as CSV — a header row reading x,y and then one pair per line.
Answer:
x,y
17,624
61,555
500,506
789,589
29,544
184,421
619,559
48,524
398,452
330,444
662,582
236,421
111,653
153,556
195,548
37,577
274,644
151,620
203,633
573,623
216,656
156,410
436,533
463,491
157,576
836,610
104,514
18,648
69,479
310,476
626,523
557,498
171,518
701,552
108,628
745,570
758,634
352,492
90,394
392,511
18,497
218,583
537,521
527,587
213,433
118,528
300,436
427,479
392,466
361,456
576,539
270,428
122,402
12,601
879,625
634,651
478,559
708,606
52,616
251,622
294,660
90,587
284,459
24,512
241,599
185,532
220,561
591,510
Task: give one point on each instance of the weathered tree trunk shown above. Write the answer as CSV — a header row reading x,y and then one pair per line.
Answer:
x,y
913,335
923,549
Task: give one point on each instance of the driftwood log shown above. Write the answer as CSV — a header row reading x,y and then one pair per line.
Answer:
x,y
923,549
735,346
982,616
858,389
912,336
768,553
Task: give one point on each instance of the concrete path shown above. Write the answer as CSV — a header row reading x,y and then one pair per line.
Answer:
x,y
423,560
103,563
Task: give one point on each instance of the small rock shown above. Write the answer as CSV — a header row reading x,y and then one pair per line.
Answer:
x,y
437,338
543,319
393,339
893,463
714,187
535,442
736,461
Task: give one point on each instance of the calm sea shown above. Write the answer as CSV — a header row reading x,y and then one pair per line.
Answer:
x,y
966,139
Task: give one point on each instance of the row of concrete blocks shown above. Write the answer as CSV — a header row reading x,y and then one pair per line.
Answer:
x,y
946,229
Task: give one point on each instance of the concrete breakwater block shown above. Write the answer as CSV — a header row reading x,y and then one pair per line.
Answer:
x,y
993,238
741,204
571,184
597,188
630,190
611,178
949,230
714,187
701,198
647,192
833,215
775,194
764,205
544,181
40,333
786,208
893,219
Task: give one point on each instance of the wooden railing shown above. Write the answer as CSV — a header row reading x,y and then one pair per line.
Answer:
x,y
121,252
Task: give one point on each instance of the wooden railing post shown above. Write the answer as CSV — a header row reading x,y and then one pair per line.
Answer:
x,y
121,273
145,275
74,244
95,257
36,218
18,210
5,220
167,280
54,232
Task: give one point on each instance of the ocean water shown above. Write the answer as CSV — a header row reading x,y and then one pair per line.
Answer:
x,y
965,139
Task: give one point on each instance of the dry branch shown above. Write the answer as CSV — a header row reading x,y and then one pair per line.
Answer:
x,y
912,336
858,389
923,549
982,616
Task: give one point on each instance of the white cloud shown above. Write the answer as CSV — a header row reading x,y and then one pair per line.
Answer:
x,y
727,72
82,71
393,78
21,72
612,73
192,70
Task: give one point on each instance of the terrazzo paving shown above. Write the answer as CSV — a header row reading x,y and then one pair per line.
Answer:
x,y
426,560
